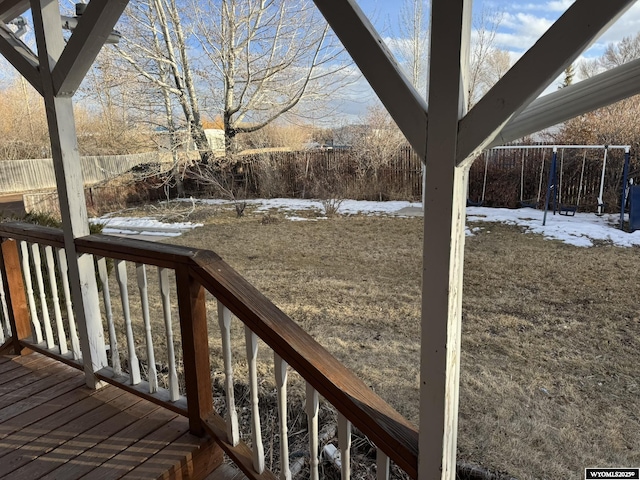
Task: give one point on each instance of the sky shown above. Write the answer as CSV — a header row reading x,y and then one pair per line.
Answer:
x,y
521,25
581,230
523,21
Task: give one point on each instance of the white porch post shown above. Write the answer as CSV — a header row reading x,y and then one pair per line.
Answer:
x,y
66,160
443,250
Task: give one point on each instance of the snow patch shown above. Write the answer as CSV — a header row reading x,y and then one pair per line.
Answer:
x,y
581,230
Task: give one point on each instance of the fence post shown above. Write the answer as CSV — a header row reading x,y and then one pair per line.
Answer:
x,y
195,348
14,294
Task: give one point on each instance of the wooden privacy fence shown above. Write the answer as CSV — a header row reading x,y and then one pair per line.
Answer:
x,y
344,173
498,178
38,174
513,176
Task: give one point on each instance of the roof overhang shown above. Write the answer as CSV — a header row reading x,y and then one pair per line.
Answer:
x,y
10,9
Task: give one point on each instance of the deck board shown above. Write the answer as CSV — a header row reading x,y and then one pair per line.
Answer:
x,y
170,460
145,448
9,377
53,426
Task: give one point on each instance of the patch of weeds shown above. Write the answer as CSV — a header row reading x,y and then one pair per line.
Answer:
x,y
331,206
268,219
240,206
49,220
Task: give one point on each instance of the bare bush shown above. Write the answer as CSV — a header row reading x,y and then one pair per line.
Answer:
x,y
225,179
331,206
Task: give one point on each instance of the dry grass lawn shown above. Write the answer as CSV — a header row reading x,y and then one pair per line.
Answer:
x,y
551,332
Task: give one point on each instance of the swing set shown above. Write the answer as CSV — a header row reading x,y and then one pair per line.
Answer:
x,y
556,179
530,203
554,186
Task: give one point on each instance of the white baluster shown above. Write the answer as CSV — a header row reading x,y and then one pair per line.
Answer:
x,y
5,310
312,422
121,277
141,272
382,466
163,274
281,385
73,332
2,333
224,320
37,264
26,270
53,283
5,328
44,308
256,433
344,442
106,296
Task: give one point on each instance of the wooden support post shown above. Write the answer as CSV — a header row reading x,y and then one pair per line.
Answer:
x,y
195,349
14,293
444,220
73,209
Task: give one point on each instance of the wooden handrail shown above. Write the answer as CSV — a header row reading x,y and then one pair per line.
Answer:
x,y
386,428
32,233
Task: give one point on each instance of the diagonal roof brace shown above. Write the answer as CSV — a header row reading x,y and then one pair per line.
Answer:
x,y
91,33
569,102
10,9
569,36
21,57
380,68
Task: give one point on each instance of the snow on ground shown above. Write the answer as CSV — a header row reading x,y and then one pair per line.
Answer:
x,y
347,207
581,230
142,226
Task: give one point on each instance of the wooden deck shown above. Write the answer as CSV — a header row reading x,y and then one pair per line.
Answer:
x,y
53,426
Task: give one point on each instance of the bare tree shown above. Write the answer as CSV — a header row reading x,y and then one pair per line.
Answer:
x,y
268,57
23,128
111,124
413,46
615,54
618,54
156,47
377,140
487,63
569,73
616,123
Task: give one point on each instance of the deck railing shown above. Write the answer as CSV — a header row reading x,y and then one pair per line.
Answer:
x,y
31,291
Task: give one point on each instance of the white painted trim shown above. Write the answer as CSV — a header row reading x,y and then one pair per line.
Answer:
x,y
73,209
569,36
10,9
562,147
311,408
280,373
443,250
569,102
224,321
344,443
251,343
85,43
380,68
21,57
